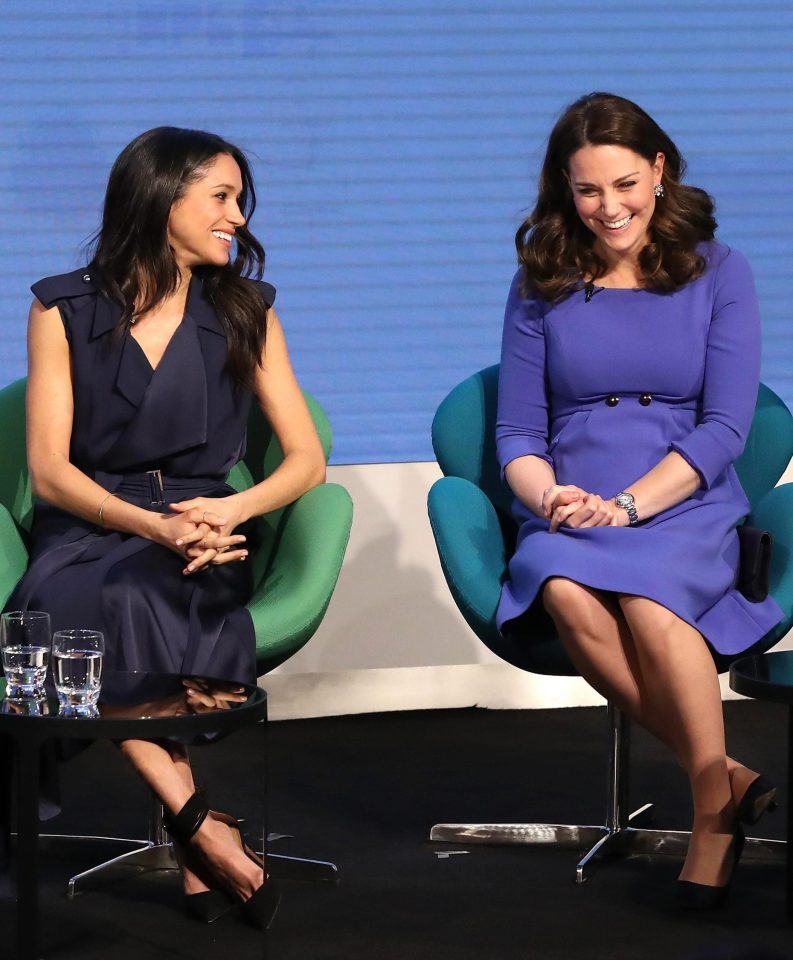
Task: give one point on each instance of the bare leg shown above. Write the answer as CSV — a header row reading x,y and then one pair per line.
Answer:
x,y
677,667
592,628
169,776
595,636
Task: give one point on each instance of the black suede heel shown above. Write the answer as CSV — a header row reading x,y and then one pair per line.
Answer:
x,y
759,798
208,905
702,896
260,908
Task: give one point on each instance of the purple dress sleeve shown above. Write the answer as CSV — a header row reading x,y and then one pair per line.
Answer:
x,y
522,420
732,371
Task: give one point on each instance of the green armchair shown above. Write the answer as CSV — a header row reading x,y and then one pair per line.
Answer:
x,y
302,545
469,509
295,571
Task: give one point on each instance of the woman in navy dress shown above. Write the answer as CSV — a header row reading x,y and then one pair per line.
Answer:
x,y
629,376
142,368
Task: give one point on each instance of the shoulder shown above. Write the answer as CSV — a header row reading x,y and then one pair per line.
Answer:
x,y
64,286
523,301
724,260
728,281
265,290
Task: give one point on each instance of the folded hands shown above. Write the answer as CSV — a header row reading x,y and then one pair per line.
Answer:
x,y
571,506
202,531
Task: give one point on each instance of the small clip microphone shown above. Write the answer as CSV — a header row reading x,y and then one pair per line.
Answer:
x,y
590,290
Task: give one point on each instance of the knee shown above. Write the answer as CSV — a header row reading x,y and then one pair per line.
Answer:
x,y
566,601
648,619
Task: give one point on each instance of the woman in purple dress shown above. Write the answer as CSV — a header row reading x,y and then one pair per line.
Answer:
x,y
142,368
629,376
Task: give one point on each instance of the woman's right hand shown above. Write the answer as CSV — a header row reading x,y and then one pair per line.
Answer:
x,y
560,495
590,510
171,530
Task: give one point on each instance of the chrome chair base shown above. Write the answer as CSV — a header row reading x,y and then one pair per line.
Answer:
x,y
600,843
143,859
156,853
297,868
622,835
148,856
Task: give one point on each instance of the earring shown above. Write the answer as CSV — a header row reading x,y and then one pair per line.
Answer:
x,y
658,190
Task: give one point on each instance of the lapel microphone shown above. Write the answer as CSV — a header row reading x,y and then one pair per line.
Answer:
x,y
590,290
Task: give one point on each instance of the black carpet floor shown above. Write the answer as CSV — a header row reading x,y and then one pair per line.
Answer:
x,y
363,791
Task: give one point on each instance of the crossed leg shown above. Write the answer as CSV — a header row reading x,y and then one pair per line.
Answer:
x,y
657,668
168,774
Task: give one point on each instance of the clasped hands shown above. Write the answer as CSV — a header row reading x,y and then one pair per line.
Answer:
x,y
570,506
202,531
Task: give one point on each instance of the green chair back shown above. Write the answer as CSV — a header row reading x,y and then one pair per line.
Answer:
x,y
769,446
15,491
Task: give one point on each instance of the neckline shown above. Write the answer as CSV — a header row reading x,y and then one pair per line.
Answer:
x,y
145,356
171,339
598,287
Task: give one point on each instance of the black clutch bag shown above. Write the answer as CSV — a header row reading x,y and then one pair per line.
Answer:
x,y
755,562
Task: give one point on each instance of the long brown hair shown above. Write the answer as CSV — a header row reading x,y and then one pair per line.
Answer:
x,y
556,248
133,260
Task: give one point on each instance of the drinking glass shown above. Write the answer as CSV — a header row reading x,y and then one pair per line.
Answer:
x,y
26,639
77,670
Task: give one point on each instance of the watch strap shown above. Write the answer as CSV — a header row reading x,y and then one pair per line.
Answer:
x,y
628,504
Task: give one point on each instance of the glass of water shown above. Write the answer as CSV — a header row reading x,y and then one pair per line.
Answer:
x,y
26,639
77,669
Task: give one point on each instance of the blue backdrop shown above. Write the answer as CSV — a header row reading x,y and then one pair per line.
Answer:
x,y
396,147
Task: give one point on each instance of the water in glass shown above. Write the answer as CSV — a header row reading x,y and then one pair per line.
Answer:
x,y
77,669
26,639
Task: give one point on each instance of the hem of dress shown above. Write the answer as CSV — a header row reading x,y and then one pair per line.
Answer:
x,y
523,606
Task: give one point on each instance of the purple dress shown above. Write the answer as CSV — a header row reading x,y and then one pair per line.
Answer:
x,y
187,419
603,390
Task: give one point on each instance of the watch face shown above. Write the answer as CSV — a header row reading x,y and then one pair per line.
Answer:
x,y
624,500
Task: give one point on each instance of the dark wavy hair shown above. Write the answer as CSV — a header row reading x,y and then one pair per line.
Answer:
x,y
133,259
557,249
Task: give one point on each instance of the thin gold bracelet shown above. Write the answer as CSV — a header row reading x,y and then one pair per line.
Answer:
x,y
102,508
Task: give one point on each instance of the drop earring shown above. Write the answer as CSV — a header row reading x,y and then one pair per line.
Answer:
x,y
658,190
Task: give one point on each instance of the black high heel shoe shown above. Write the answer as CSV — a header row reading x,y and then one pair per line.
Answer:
x,y
208,905
260,909
759,798
703,896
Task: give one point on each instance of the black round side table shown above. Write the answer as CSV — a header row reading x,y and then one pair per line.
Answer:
x,y
133,706
770,677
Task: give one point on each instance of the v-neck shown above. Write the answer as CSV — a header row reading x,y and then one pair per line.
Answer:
x,y
171,339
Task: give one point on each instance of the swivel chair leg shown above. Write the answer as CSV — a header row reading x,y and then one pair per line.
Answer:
x,y
298,868
156,853
622,835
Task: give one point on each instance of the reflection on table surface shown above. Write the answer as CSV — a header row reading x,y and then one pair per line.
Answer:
x,y
144,695
775,668
27,707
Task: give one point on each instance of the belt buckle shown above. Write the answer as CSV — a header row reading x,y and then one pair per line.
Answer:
x,y
155,486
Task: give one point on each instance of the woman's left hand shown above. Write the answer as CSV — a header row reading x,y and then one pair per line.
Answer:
x,y
219,545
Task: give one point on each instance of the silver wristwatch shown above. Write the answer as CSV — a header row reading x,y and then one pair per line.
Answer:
x,y
628,504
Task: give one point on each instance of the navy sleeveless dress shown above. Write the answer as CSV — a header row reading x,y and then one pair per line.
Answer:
x,y
147,435
603,387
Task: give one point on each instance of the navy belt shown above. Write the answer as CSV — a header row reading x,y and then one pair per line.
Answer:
x,y
156,487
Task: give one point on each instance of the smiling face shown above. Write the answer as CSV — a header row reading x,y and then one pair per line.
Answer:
x,y
613,195
202,222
